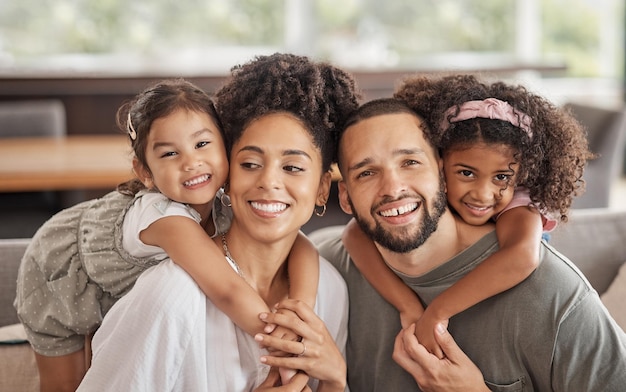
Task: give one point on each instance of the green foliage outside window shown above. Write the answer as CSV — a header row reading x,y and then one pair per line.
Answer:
x,y
405,30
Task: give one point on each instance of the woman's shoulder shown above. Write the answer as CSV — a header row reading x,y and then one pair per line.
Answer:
x,y
329,273
332,302
331,287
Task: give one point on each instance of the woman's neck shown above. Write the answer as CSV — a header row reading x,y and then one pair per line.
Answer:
x,y
262,262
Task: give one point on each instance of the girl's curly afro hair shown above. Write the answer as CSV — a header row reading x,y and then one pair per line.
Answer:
x,y
551,161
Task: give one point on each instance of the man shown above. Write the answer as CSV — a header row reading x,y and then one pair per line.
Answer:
x,y
548,333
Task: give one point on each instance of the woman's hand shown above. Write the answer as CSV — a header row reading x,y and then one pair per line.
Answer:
x,y
272,383
316,353
455,372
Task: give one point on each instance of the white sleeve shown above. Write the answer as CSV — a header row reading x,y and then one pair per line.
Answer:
x,y
332,304
150,334
146,210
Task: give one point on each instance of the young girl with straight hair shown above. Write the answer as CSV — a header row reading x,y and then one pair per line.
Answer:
x,y
87,257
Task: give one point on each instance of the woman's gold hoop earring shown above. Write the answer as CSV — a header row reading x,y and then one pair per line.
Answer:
x,y
225,200
318,213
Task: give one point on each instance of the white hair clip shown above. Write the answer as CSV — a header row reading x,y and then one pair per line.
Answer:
x,y
131,130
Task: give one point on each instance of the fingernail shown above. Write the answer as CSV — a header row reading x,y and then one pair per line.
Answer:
x,y
263,359
441,329
258,337
263,316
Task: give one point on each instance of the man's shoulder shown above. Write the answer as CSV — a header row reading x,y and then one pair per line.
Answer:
x,y
329,244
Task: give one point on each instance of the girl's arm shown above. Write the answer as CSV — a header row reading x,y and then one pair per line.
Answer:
x,y
368,260
191,248
519,235
304,270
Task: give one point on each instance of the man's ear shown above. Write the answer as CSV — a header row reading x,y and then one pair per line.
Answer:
x,y
142,173
442,174
344,198
324,189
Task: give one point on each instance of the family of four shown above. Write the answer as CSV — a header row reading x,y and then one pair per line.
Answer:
x,y
208,284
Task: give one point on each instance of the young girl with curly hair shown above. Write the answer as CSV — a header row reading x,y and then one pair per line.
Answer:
x,y
508,155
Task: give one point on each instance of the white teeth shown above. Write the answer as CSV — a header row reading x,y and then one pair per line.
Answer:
x,y
399,211
197,180
478,208
273,207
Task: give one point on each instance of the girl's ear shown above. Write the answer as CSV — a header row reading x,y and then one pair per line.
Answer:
x,y
142,173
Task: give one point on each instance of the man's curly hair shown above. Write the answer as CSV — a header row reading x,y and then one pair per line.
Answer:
x,y
320,95
551,162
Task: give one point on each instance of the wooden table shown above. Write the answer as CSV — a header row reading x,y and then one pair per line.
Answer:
x,y
72,162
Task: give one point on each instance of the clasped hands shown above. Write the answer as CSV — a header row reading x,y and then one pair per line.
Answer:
x,y
297,339
453,371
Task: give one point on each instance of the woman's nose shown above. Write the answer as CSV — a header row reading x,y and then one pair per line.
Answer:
x,y
269,178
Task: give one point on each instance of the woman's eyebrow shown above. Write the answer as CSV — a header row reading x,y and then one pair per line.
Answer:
x,y
296,152
285,153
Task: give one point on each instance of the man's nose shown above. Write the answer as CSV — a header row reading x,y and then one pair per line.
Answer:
x,y
392,183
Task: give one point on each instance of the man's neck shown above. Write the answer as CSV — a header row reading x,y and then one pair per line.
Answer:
x,y
451,237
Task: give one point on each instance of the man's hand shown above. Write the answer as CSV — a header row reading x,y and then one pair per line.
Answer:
x,y
455,372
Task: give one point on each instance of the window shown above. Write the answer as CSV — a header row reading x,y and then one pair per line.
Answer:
x,y
208,36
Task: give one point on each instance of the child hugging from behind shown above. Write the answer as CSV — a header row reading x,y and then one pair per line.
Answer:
x,y
509,156
85,258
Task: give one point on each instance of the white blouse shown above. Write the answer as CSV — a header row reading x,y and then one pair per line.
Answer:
x,y
165,335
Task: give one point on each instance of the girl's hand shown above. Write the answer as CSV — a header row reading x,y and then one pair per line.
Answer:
x,y
316,354
281,332
272,383
424,331
407,318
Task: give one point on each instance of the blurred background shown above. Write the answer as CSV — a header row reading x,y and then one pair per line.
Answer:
x,y
92,55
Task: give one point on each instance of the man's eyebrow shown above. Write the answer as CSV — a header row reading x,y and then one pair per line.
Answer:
x,y
395,153
409,151
360,164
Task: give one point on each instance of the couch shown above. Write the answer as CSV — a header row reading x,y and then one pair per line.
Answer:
x,y
594,239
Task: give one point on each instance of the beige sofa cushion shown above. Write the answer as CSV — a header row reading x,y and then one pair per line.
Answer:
x,y
18,368
615,297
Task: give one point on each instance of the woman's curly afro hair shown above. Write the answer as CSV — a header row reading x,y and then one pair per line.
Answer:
x,y
320,95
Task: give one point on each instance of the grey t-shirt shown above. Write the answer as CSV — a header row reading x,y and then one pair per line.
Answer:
x,y
549,333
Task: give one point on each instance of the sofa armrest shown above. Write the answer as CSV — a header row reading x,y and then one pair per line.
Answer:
x,y
11,252
595,240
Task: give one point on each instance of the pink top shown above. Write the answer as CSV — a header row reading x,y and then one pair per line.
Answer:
x,y
521,197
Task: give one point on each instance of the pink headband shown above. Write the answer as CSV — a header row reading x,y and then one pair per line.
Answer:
x,y
491,108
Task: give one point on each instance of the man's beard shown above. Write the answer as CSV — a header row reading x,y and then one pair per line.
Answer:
x,y
401,240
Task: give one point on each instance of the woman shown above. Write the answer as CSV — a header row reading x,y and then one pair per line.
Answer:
x,y
279,115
